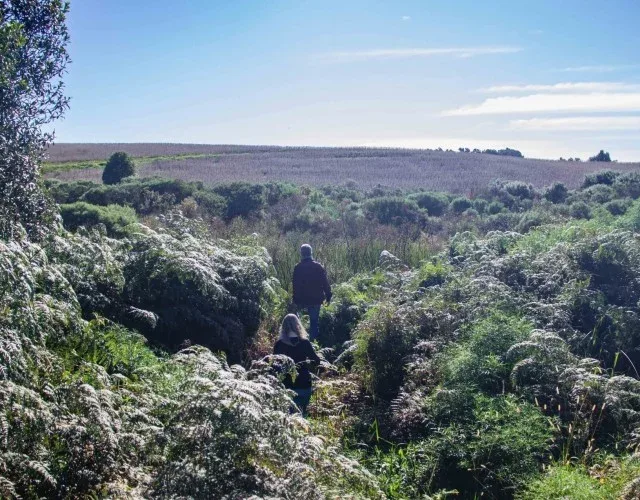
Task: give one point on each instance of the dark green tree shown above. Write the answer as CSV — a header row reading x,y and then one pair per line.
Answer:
x,y
601,156
556,193
119,166
33,58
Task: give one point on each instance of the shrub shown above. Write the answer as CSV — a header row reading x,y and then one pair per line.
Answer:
x,y
533,218
598,193
511,194
618,207
242,198
144,195
495,451
460,204
607,177
520,190
495,207
480,205
199,292
189,208
277,191
556,193
580,210
471,213
628,185
503,221
178,188
211,203
383,341
392,210
434,203
119,166
114,217
68,192
432,274
512,438
480,360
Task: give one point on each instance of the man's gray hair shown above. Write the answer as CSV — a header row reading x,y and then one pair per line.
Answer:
x,y
306,251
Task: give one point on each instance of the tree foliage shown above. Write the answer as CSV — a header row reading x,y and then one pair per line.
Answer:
x,y
119,166
33,39
601,156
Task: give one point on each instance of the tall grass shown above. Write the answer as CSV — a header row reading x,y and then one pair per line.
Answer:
x,y
342,259
400,168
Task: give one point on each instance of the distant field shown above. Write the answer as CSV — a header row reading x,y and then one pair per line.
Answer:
x,y
367,167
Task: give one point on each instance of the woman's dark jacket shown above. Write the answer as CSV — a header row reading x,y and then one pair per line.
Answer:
x,y
302,355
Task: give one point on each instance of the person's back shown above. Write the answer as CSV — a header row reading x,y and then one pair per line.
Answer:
x,y
293,343
310,287
302,354
310,283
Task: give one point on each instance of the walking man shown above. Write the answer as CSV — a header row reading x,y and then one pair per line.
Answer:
x,y
310,288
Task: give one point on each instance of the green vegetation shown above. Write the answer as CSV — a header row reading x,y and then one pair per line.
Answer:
x,y
115,218
478,346
492,352
118,167
51,167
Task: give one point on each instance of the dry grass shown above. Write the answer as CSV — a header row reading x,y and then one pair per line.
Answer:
x,y
367,167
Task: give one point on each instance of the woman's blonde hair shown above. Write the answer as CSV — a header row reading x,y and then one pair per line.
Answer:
x,y
291,325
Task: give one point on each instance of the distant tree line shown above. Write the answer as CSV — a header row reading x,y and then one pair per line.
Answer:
x,y
500,152
601,156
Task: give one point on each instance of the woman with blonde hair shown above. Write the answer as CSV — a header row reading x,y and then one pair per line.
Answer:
x,y
294,343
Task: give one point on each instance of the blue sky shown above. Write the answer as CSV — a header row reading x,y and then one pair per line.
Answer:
x,y
549,78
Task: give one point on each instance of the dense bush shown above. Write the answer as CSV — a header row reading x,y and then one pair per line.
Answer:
x,y
118,167
434,203
628,185
598,193
556,193
618,207
519,189
480,205
242,198
211,203
495,207
68,192
459,205
580,210
115,218
607,177
392,210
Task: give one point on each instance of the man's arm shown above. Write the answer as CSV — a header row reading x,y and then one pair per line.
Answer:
x,y
296,272
326,286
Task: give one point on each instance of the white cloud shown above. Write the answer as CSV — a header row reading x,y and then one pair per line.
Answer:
x,y
565,86
602,68
463,52
536,103
406,18
578,123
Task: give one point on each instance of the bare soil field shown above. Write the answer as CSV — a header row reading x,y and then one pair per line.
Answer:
x,y
366,167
